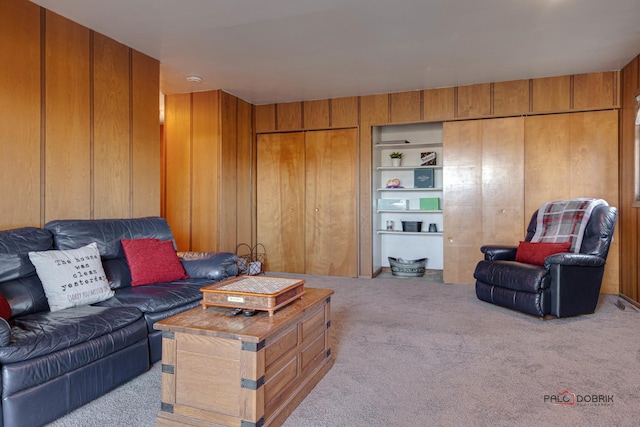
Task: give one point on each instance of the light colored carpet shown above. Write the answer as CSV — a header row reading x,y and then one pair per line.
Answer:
x,y
416,352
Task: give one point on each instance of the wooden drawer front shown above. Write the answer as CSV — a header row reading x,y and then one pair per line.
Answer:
x,y
311,324
274,384
313,353
210,346
280,346
208,374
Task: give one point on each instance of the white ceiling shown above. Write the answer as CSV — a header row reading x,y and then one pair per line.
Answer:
x,y
269,51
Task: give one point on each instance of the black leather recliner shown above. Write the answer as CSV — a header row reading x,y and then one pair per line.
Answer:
x,y
568,284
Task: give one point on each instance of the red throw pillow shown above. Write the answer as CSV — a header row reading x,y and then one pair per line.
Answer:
x,y
5,308
535,253
152,261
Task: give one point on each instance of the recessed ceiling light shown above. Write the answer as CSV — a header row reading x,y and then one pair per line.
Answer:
x,y
194,79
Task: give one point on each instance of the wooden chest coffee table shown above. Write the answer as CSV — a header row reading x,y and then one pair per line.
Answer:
x,y
243,371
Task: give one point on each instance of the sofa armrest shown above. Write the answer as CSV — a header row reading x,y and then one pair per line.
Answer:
x,y
499,252
214,266
573,259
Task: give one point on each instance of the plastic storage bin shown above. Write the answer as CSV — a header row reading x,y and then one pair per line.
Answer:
x,y
415,226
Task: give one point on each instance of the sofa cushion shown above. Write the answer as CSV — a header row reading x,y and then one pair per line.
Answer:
x,y
535,253
118,273
43,333
36,371
25,295
72,277
152,261
157,297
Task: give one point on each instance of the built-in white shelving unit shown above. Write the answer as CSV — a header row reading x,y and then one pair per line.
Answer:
x,y
422,138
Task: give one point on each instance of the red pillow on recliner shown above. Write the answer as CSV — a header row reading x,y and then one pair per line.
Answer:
x,y
152,261
535,253
5,308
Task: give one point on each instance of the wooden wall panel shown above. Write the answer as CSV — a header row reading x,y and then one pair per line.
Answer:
x,y
246,164
111,129
406,107
205,164
595,90
551,94
145,161
20,105
628,217
177,179
511,98
68,119
289,116
316,114
265,116
345,111
74,108
474,101
374,110
228,172
439,104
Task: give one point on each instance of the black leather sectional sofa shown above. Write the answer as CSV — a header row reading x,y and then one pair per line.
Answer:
x,y
54,362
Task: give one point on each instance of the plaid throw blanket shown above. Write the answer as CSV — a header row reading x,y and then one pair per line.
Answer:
x,y
565,221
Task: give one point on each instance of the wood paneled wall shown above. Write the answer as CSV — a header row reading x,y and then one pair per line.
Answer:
x,y
80,133
581,92
584,92
629,216
208,164
20,103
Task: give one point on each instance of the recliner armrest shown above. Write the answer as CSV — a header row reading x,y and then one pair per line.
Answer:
x,y
214,266
569,258
499,252
5,333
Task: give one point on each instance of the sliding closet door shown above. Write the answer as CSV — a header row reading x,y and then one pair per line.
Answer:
x,y
483,191
331,203
462,199
280,199
574,155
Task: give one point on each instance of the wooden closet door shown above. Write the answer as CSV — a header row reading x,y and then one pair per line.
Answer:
x,y
574,155
503,216
331,203
548,154
462,199
483,191
280,200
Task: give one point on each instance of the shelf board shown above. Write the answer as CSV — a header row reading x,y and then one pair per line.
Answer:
x,y
383,146
399,168
412,233
401,211
410,189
